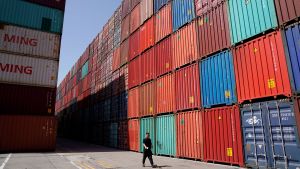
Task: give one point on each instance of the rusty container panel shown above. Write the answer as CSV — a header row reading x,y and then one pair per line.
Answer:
x,y
223,135
187,88
134,73
27,133
184,45
134,134
125,28
163,54
213,30
134,3
126,7
123,78
147,99
146,10
123,138
203,6
165,94
147,34
115,82
124,52
147,65
163,23
261,68
189,132
287,10
135,18
134,45
133,103
116,59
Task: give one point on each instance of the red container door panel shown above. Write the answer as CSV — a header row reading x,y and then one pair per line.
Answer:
x,y
135,19
125,28
163,54
165,92
134,70
124,52
148,65
147,34
163,24
147,99
134,134
133,103
134,45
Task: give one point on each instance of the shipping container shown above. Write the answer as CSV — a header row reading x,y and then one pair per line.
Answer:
x,y
163,23
27,133
148,64
135,17
147,125
134,3
249,18
146,10
123,107
115,103
165,94
123,135
124,52
260,68
116,59
187,88
123,78
85,69
125,28
113,135
271,137
27,70
163,54
189,135
133,103
183,11
115,83
58,4
147,99
126,7
223,135
158,4
26,14
134,134
134,45
147,34
203,6
134,72
287,10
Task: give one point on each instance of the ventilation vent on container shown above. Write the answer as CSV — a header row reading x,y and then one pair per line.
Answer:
x,y
46,24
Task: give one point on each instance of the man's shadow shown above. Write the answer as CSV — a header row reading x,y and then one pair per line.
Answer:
x,y
161,166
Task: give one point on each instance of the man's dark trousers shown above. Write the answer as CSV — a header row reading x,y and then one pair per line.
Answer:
x,y
148,153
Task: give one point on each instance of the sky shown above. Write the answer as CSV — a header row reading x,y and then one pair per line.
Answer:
x,y
84,19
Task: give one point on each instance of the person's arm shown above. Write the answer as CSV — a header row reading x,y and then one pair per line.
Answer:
x,y
145,146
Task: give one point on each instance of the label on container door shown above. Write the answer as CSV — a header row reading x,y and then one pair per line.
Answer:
x,y
191,99
271,83
227,94
229,152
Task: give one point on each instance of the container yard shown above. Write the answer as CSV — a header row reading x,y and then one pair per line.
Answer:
x,y
214,83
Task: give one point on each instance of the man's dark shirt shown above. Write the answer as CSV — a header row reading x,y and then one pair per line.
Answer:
x,y
148,143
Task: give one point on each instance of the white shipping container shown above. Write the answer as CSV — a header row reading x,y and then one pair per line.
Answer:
x,y
29,42
28,70
146,10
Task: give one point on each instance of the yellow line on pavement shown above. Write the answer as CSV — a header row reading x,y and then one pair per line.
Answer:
x,y
104,164
87,165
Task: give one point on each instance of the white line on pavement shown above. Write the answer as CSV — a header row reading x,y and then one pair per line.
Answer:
x,y
5,161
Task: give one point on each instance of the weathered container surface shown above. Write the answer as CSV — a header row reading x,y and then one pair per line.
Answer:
x,y
147,99
148,64
134,134
135,17
249,18
213,30
122,115
115,102
203,6
189,135
133,102
126,7
183,11
117,37
261,68
123,135
163,52
106,110
165,94
111,26
58,4
30,42
292,37
147,125
113,135
27,133
124,52
271,137
159,4
116,59
117,16
31,15
218,80
123,78
187,88
287,10
134,73
146,10
184,46
163,23
28,70
134,45
85,69
110,44
134,3
147,37
115,82
125,29
223,135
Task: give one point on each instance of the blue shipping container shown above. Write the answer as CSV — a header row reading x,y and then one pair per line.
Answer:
x,y
183,11
292,38
123,106
217,80
270,135
85,70
159,4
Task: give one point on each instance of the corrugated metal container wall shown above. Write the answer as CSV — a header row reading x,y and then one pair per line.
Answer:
x,y
158,4
133,100
123,78
213,30
147,125
123,135
148,64
256,80
218,80
30,15
58,4
249,18
184,45
85,69
118,24
134,72
115,82
203,6
163,52
135,18
134,134
27,133
165,135
113,135
287,10
223,135
163,23
134,3
146,10
165,94
134,45
30,42
116,59
147,34
106,110
122,115
124,52
271,137
115,102
187,88
125,28
183,11
189,135
126,7
28,70
147,99
292,37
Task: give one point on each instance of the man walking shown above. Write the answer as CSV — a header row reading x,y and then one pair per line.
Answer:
x,y
147,150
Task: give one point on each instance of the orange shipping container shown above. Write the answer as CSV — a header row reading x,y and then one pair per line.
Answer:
x,y
123,78
147,99
135,19
134,134
134,70
133,103
134,45
116,59
163,52
163,23
146,10
125,28
165,94
148,65
124,52
147,34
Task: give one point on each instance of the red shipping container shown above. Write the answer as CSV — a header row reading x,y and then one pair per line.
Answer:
x,y
126,6
287,10
134,73
146,10
147,34
116,59
123,135
223,135
202,6
124,52
148,65
213,31
165,94
163,52
189,135
134,45
261,68
147,99
134,3
123,78
187,87
184,45
125,28
135,19
163,23
115,82
27,133
133,103
134,134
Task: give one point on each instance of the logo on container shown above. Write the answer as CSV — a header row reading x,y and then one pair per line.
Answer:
x,y
253,120
20,40
16,69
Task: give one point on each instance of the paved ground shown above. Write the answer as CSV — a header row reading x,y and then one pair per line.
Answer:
x,y
76,155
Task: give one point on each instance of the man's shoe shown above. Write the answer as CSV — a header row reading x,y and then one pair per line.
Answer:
x,y
143,165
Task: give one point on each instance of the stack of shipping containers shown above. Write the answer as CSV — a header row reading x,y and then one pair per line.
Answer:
x,y
212,80
30,37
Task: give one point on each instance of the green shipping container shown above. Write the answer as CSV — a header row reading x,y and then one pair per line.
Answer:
x,y
147,125
85,70
26,14
248,18
165,135
113,135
